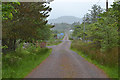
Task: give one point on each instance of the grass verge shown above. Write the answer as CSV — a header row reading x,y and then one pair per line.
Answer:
x,y
111,71
51,43
20,63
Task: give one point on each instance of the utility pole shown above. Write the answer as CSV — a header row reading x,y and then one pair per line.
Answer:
x,y
106,5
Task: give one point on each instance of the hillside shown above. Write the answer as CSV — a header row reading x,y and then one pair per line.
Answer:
x,y
65,19
64,26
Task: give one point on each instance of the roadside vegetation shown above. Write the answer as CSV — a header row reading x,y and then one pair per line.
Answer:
x,y
27,24
25,32
97,38
55,42
56,38
107,61
20,63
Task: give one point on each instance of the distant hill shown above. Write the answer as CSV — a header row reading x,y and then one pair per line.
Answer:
x,y
64,26
65,19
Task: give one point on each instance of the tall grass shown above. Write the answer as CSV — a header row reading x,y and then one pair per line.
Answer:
x,y
107,60
21,62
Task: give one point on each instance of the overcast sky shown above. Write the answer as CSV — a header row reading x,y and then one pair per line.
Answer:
x,y
77,8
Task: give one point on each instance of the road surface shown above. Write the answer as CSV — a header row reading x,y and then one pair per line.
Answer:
x,y
64,63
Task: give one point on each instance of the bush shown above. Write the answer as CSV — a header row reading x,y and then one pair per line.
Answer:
x,y
15,64
70,38
108,57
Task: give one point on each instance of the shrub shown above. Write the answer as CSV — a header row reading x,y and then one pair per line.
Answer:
x,y
15,64
109,57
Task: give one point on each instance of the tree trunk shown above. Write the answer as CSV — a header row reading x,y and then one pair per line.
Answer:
x,y
4,42
10,43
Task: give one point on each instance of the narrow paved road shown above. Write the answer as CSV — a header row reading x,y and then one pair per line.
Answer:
x,y
64,63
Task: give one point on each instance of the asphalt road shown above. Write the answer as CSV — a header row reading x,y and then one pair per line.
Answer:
x,y
64,63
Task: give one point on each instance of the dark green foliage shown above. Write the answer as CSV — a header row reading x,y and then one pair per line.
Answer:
x,y
26,25
101,38
103,30
70,38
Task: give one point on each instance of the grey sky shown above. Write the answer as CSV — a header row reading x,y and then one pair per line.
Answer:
x,y
77,8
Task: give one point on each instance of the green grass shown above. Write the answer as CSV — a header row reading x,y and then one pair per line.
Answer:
x,y
51,43
20,63
112,72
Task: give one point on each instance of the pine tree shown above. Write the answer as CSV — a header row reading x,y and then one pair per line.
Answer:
x,y
26,24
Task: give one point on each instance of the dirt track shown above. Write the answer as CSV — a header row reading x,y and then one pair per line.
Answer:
x,y
64,63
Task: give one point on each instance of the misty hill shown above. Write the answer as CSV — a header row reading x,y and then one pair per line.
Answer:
x,y
65,19
64,26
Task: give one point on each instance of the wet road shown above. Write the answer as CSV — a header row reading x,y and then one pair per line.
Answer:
x,y
64,63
